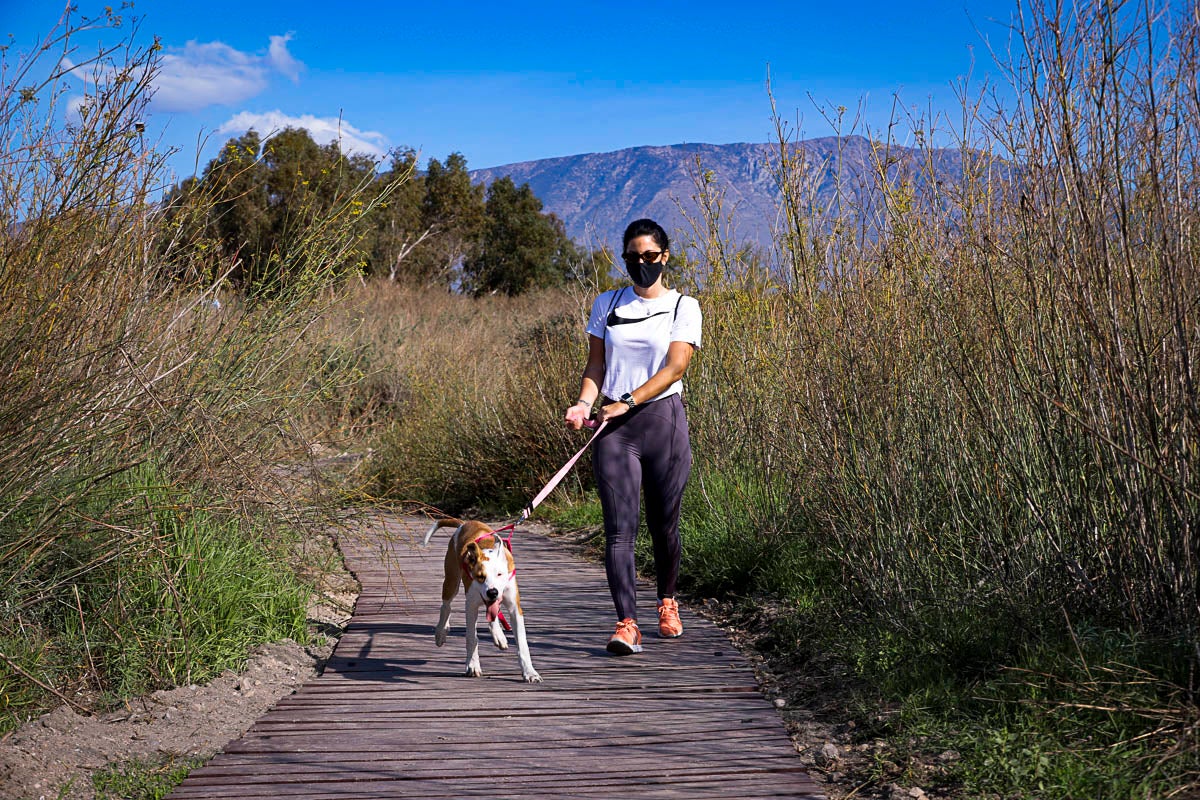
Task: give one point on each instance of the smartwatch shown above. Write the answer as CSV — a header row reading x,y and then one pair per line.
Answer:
x,y
628,400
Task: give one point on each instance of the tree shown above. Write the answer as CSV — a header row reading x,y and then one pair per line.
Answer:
x,y
401,227
595,269
521,248
270,199
308,187
455,207
240,219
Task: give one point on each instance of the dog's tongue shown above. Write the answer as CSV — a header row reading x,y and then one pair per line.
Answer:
x,y
493,610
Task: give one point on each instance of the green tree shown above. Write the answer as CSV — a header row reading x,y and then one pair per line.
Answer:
x,y
269,200
598,268
307,185
454,207
521,248
400,226
259,202
241,218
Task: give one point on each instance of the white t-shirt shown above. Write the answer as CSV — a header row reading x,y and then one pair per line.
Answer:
x,y
638,333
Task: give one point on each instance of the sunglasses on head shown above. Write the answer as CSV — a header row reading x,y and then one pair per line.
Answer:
x,y
648,257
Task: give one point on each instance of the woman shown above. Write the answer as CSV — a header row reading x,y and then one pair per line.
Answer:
x,y
640,341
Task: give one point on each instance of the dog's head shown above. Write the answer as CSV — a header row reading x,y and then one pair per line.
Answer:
x,y
491,568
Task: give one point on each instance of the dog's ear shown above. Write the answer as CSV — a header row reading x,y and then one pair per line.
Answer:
x,y
473,553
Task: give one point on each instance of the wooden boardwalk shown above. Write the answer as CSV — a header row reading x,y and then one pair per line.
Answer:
x,y
393,716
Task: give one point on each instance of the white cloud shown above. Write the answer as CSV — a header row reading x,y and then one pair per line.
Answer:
x,y
282,60
207,74
75,104
212,73
322,129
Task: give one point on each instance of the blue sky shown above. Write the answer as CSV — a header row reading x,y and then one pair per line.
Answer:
x,y
507,82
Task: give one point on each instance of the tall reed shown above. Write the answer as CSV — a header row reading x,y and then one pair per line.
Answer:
x,y
978,388
999,394
140,396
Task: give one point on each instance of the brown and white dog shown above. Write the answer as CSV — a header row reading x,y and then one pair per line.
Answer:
x,y
477,557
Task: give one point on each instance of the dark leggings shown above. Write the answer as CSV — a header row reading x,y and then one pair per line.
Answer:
x,y
646,450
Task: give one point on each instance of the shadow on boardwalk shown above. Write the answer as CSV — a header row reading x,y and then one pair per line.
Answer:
x,y
393,716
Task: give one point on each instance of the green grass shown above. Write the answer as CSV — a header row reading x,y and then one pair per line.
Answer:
x,y
741,538
1089,714
577,514
176,595
141,779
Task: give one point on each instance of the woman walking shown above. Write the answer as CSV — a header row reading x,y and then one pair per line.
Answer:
x,y
640,342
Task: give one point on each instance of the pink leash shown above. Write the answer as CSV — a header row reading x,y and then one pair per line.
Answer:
x,y
558,476
546,490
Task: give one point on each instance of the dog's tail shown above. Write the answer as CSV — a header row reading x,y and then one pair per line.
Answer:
x,y
445,522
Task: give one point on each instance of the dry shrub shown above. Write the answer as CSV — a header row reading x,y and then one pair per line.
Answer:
x,y
475,391
133,386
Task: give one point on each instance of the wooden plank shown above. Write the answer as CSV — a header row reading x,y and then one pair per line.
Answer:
x,y
392,716
315,746
753,783
367,740
451,753
528,772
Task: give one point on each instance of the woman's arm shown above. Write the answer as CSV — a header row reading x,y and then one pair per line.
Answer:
x,y
589,389
679,355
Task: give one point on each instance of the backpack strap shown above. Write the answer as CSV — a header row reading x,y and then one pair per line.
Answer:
x,y
616,297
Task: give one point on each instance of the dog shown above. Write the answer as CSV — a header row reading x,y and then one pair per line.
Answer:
x,y
478,558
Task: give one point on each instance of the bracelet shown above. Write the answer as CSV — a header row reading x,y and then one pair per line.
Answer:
x,y
582,402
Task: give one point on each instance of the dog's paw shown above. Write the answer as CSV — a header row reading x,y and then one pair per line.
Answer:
x,y
532,677
439,637
500,640
473,671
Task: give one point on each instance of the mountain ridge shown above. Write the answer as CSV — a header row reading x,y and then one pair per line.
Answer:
x,y
597,194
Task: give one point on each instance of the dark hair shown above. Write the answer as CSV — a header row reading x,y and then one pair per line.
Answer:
x,y
646,227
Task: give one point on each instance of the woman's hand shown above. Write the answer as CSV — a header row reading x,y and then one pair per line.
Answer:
x,y
577,415
611,411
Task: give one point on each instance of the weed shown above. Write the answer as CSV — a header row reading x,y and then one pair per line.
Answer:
x,y
141,780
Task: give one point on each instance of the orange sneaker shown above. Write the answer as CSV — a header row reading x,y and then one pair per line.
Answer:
x,y
669,625
627,640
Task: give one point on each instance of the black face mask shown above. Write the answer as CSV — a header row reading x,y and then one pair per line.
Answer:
x,y
644,275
